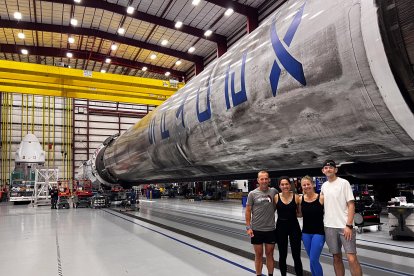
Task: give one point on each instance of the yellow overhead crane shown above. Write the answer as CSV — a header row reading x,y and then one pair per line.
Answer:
x,y
29,78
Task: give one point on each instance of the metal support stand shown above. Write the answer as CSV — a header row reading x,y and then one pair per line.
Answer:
x,y
400,223
44,179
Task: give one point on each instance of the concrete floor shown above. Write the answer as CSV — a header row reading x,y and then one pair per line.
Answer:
x,y
41,241
202,238
224,222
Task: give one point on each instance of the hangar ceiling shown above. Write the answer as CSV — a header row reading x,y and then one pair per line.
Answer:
x,y
127,37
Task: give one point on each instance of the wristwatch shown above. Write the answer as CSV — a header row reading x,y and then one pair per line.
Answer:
x,y
248,228
350,226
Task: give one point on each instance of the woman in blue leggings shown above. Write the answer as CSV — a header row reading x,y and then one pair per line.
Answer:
x,y
313,234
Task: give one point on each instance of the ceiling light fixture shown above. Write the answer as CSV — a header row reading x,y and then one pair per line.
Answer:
x,y
195,2
107,60
178,62
153,56
208,32
167,73
164,42
103,71
229,12
73,22
21,35
17,15
25,52
77,1
178,24
191,49
144,68
121,31
114,47
130,10
71,39
69,55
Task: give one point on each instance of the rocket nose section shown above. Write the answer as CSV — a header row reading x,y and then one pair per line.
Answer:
x,y
30,150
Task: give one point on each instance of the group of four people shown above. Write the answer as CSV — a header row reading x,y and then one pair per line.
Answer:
x,y
326,216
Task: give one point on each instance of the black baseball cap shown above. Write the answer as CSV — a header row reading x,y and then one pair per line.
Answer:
x,y
330,163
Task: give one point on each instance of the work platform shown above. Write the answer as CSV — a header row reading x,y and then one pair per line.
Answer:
x,y
167,236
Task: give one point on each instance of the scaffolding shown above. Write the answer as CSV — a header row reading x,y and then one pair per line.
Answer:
x,y
45,179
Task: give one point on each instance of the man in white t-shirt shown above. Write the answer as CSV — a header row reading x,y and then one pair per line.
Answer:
x,y
339,208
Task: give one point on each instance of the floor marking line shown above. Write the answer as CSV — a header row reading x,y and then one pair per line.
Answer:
x,y
373,266
323,254
188,244
59,261
388,244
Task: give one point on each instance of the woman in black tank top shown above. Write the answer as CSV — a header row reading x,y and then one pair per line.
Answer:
x,y
287,226
313,234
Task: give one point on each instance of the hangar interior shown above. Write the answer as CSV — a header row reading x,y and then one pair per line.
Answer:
x,y
71,128
93,98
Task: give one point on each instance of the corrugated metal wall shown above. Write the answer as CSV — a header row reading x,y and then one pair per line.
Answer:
x,y
69,130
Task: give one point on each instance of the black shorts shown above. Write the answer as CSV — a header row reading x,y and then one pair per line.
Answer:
x,y
261,237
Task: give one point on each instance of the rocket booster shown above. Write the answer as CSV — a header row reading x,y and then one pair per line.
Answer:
x,y
316,80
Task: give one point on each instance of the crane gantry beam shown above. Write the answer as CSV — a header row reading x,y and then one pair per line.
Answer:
x,y
28,78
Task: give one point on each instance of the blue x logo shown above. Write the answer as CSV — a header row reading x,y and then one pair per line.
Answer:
x,y
292,66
